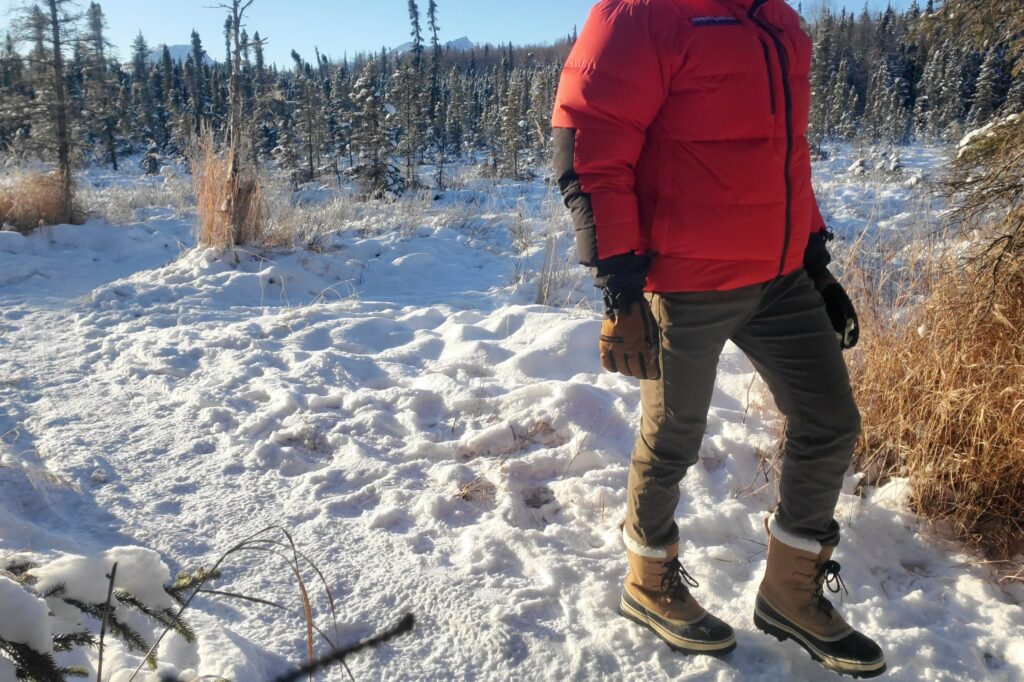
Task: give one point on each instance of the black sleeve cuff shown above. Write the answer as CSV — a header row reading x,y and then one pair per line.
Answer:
x,y
626,272
816,256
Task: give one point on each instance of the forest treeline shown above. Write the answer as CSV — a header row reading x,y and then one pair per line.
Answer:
x,y
887,77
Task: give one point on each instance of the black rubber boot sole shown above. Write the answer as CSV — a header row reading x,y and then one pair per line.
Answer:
x,y
771,623
628,608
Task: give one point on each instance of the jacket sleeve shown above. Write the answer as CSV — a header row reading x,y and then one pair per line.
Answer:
x,y
816,256
612,87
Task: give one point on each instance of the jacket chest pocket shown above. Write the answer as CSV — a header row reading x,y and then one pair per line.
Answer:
x,y
726,87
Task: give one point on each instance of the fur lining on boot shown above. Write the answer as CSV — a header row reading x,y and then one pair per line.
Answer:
x,y
791,539
642,550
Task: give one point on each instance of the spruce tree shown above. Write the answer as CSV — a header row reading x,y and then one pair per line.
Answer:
x,y
15,99
169,101
436,108
407,96
142,115
897,128
877,109
286,157
417,35
514,139
821,78
435,55
195,78
455,115
377,177
306,102
987,90
1014,103
102,118
51,116
542,101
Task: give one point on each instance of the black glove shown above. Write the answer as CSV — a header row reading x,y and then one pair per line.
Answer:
x,y
622,279
839,307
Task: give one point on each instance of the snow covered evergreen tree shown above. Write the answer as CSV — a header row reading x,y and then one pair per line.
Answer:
x,y
989,89
513,143
376,174
407,96
50,114
142,114
101,117
195,78
305,97
1014,103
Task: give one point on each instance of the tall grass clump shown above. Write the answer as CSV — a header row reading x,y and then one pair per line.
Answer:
x,y
942,394
230,205
557,267
940,379
33,199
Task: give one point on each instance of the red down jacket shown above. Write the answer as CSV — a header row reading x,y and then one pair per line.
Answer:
x,y
685,123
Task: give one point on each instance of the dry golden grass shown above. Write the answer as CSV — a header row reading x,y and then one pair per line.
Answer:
x,y
230,207
31,200
129,203
941,388
941,383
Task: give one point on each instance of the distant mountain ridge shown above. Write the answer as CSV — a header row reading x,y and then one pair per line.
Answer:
x,y
179,53
463,44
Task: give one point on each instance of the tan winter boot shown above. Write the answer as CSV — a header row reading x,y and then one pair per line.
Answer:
x,y
657,597
791,605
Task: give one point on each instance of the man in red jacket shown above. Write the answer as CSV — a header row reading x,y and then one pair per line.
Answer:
x,y
681,150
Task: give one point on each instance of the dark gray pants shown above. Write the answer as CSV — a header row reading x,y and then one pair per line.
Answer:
x,y
783,328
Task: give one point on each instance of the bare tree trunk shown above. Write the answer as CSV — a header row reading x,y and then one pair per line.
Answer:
x,y
112,148
63,132
309,129
238,209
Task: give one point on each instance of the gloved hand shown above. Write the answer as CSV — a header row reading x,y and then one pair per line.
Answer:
x,y
839,307
629,336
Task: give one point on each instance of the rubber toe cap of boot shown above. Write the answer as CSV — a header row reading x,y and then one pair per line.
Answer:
x,y
712,629
861,648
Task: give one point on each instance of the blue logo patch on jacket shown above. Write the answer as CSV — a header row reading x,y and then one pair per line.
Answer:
x,y
714,21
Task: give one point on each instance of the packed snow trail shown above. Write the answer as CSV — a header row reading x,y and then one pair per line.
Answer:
x,y
437,445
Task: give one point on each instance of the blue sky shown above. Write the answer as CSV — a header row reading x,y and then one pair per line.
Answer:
x,y
337,26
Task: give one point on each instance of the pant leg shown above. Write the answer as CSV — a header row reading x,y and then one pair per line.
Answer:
x,y
791,342
694,328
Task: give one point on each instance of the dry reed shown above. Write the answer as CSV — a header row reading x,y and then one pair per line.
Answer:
x,y
31,200
941,388
941,381
230,206
558,266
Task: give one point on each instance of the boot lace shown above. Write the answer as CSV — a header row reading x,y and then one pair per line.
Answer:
x,y
828,578
677,580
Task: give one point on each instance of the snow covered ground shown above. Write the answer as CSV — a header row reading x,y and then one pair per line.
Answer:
x,y
436,442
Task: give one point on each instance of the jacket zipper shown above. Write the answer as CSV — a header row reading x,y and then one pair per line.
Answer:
x,y
780,49
771,77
